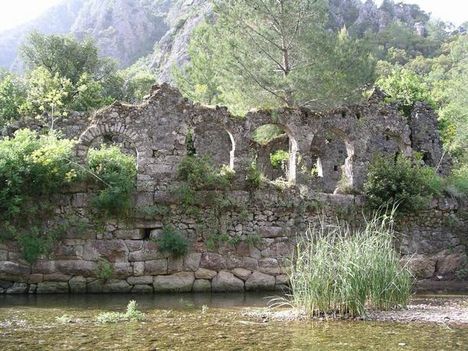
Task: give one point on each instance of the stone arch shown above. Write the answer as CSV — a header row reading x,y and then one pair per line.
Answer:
x,y
279,143
101,131
216,142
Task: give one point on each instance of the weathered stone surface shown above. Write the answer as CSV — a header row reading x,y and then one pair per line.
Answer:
x,y
175,265
451,263
112,250
56,277
269,266
138,268
260,281
192,261
116,286
148,279
203,273
421,266
156,267
134,234
227,282
178,282
273,232
212,261
76,267
52,288
242,273
18,288
77,285
13,269
35,278
201,285
142,289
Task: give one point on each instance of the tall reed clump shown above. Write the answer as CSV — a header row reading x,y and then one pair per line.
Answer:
x,y
341,272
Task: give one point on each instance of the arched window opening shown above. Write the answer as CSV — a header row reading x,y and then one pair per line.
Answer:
x,y
276,152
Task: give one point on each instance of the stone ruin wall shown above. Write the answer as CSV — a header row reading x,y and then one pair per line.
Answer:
x,y
341,143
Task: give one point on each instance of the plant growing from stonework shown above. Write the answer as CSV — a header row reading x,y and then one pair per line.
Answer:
x,y
254,176
278,158
400,182
33,170
172,242
115,173
104,269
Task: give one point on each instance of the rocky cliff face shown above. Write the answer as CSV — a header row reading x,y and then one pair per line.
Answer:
x,y
160,30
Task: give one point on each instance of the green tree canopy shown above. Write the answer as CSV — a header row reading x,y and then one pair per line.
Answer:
x,y
271,53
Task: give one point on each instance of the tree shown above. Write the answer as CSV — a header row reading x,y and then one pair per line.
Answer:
x,y
65,56
12,97
48,93
271,53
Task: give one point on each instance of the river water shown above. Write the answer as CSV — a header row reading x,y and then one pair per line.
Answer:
x,y
199,322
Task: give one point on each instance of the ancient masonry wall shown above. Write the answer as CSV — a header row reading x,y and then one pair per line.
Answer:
x,y
258,227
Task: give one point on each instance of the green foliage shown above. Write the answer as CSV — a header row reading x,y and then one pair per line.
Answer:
x,y
64,56
12,97
104,269
278,158
48,93
400,182
32,170
132,314
457,182
137,81
405,87
243,61
341,272
115,172
172,242
254,176
199,174
266,133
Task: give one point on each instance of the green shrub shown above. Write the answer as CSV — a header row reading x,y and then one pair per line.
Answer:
x,y
115,172
254,176
400,182
33,169
172,242
132,314
457,182
278,158
337,271
199,174
104,269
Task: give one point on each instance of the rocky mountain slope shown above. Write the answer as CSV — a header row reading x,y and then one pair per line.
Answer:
x,y
159,30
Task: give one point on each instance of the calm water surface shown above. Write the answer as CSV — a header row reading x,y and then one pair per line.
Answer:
x,y
180,322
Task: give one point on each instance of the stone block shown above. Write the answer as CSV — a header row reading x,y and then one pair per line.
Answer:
x,y
56,277
226,282
242,273
201,285
155,267
421,266
52,288
178,282
192,261
260,281
77,285
203,273
147,279
18,288
142,289
132,234
212,261
269,266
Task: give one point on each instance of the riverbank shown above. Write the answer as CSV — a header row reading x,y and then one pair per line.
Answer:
x,y
449,310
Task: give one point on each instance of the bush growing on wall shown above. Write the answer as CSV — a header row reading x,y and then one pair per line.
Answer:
x,y
32,170
172,242
400,182
115,172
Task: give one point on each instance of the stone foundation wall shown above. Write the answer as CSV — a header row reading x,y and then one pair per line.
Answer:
x,y
259,239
